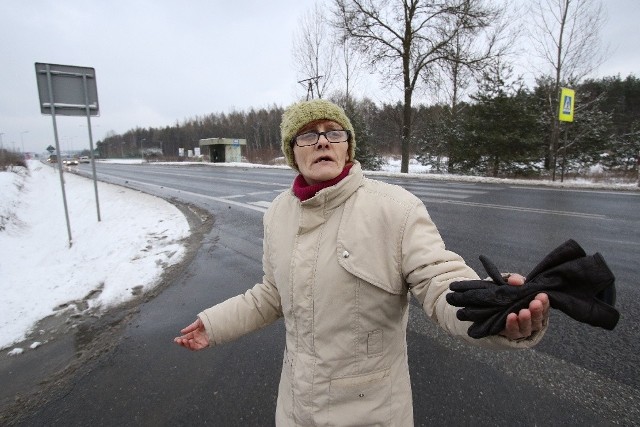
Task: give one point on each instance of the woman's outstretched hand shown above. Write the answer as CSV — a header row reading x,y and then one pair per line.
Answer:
x,y
194,337
528,320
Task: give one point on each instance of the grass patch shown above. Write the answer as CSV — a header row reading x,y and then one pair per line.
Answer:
x,y
9,160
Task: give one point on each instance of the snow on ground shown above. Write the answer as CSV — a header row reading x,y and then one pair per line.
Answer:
x,y
109,261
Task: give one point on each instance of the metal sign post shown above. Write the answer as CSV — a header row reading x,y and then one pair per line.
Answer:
x,y
93,161
68,91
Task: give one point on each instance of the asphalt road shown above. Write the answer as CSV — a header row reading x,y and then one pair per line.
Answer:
x,y
578,375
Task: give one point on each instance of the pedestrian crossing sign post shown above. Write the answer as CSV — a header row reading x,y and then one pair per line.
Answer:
x,y
567,99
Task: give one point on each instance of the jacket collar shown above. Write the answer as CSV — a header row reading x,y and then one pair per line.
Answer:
x,y
304,191
333,196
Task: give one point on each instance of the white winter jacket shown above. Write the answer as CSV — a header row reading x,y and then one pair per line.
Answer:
x,y
339,267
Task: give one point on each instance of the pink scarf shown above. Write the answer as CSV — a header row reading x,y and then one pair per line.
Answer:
x,y
304,191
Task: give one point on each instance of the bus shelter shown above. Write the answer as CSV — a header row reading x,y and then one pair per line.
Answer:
x,y
222,150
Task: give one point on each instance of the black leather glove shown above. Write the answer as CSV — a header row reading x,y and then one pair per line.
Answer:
x,y
581,286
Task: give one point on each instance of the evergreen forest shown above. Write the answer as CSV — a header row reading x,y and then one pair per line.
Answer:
x,y
501,131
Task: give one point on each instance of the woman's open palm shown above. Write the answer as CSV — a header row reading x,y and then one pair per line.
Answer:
x,y
194,337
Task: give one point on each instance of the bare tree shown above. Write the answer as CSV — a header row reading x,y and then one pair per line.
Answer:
x,y
403,38
566,37
350,65
314,52
471,52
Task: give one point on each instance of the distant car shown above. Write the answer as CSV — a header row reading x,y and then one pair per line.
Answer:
x,y
70,162
53,159
84,159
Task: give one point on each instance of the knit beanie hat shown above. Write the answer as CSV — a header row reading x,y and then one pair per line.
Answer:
x,y
298,115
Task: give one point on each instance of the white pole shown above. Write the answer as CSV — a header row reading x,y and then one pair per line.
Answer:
x,y
55,132
93,163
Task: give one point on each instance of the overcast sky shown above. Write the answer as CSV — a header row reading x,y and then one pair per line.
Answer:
x,y
161,62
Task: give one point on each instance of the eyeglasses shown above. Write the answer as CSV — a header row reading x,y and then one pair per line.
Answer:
x,y
312,138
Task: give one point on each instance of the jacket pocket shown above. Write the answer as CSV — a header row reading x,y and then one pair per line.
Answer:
x,y
363,400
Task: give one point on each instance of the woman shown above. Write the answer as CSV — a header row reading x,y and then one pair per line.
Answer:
x,y
341,254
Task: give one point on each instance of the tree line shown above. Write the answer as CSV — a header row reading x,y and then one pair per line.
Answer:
x,y
460,54
462,51
501,131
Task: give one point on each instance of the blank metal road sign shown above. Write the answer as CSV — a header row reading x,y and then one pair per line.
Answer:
x,y
73,89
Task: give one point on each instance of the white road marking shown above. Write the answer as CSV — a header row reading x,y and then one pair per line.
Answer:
x,y
519,209
261,206
262,203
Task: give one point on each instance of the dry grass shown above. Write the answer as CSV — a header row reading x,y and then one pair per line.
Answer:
x,y
9,160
